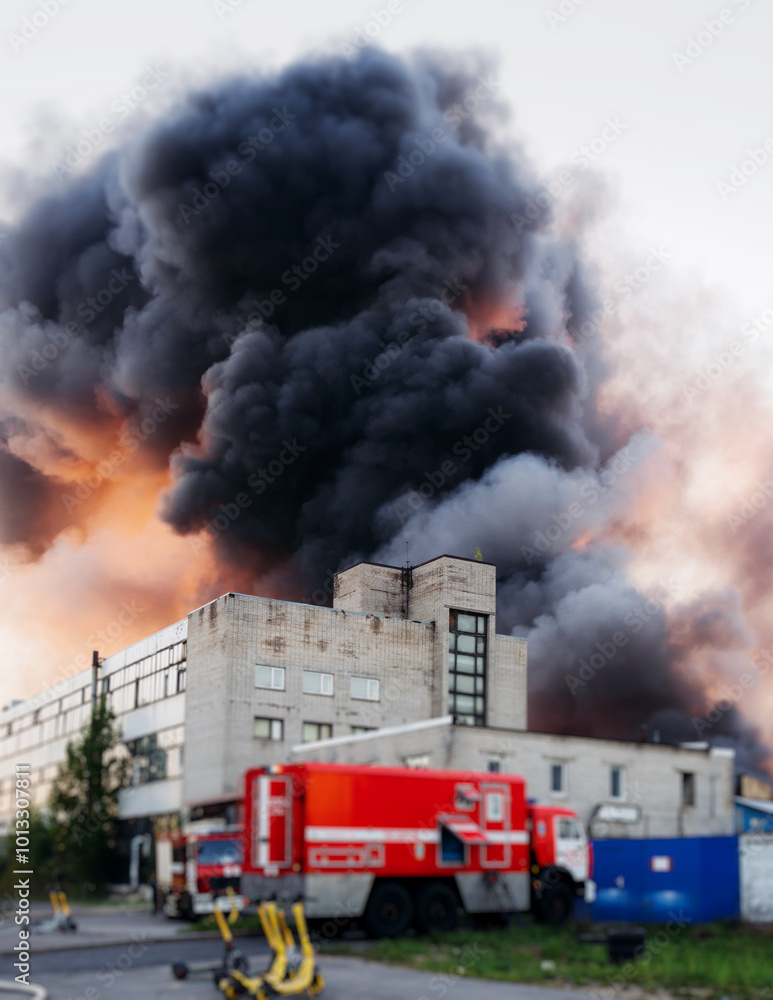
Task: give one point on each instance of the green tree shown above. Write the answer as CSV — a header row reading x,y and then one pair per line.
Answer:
x,y
83,808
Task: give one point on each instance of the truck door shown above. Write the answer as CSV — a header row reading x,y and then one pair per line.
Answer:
x,y
495,822
272,813
571,847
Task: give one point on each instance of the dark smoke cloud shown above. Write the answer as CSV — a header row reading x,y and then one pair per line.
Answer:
x,y
295,265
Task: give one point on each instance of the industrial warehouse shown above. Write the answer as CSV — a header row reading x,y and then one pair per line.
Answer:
x,y
406,669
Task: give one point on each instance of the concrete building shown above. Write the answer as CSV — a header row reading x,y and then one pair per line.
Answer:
x,y
248,680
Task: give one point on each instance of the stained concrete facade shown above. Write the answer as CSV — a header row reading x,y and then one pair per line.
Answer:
x,y
389,626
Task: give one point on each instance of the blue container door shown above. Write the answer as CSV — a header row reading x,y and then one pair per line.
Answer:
x,y
618,874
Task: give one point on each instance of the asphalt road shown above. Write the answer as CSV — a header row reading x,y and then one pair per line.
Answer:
x,y
346,979
129,955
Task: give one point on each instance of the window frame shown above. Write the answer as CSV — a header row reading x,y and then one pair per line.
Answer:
x,y
689,795
457,636
273,670
620,771
272,722
323,678
562,770
319,725
368,681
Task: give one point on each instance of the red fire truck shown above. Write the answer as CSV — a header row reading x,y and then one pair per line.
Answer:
x,y
399,847
195,868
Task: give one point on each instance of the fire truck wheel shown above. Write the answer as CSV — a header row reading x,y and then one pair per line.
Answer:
x,y
389,912
436,909
185,906
556,905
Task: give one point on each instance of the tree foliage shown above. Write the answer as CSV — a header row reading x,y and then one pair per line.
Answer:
x,y
83,807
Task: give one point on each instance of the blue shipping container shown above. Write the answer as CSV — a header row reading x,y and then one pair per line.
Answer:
x,y
649,881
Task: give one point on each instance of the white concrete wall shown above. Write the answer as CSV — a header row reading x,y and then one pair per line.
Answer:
x,y
652,773
152,799
756,874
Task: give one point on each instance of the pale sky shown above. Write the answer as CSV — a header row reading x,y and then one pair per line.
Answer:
x,y
688,126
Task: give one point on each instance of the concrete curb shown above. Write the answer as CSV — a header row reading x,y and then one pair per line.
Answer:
x,y
28,991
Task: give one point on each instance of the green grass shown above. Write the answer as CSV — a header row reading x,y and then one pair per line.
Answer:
x,y
707,961
248,922
106,902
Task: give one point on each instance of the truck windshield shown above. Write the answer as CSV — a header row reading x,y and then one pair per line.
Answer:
x,y
219,852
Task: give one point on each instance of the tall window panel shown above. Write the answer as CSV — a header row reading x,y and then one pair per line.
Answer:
x,y
467,657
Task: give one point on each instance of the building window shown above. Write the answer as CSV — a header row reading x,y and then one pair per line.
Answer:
x,y
150,760
359,730
315,683
268,729
688,789
270,677
313,731
467,668
616,785
105,685
180,680
365,689
495,766
557,779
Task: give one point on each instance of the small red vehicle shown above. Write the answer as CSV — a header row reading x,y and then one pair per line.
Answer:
x,y
194,871
400,847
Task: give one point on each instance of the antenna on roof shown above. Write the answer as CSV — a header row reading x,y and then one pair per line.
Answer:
x,y
407,561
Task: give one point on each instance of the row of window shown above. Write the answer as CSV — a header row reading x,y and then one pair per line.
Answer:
x,y
152,678
153,663
616,787
143,690
148,679
273,730
65,724
55,707
314,682
558,781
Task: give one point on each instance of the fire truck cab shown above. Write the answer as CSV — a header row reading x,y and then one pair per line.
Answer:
x,y
194,869
399,847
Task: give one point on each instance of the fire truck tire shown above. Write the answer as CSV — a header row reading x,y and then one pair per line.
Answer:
x,y
185,906
556,905
436,909
389,912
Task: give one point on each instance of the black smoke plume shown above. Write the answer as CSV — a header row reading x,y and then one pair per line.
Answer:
x,y
319,274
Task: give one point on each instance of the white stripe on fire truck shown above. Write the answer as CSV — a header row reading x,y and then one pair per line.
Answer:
x,y
368,835
506,836
399,835
263,790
